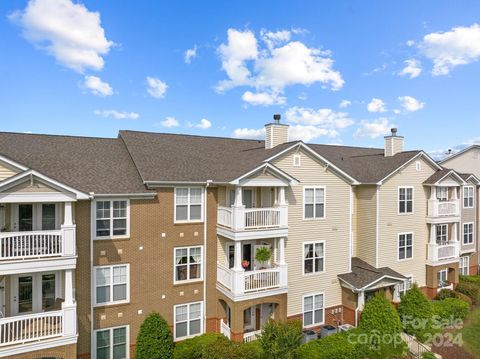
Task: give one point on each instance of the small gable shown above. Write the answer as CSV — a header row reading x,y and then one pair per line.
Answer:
x,y
32,185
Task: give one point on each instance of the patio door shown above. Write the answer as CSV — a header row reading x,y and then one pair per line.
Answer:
x,y
25,217
29,217
33,293
248,198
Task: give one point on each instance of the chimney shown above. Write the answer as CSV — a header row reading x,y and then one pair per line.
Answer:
x,y
276,133
393,144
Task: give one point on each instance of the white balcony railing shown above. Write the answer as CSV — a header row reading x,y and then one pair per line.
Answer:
x,y
438,252
244,219
244,282
443,209
251,336
225,329
38,244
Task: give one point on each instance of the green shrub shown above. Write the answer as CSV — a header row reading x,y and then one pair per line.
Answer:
x,y
450,309
470,278
381,322
280,339
413,309
428,355
470,289
251,350
447,293
209,345
154,339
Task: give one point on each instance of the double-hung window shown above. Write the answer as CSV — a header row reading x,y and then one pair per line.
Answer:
x,y
442,194
188,320
112,343
405,200
188,204
112,284
405,246
467,233
442,234
464,265
188,263
111,218
442,277
313,310
468,197
314,202
313,257
405,285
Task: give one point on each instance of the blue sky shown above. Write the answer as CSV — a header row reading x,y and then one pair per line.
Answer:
x,y
338,72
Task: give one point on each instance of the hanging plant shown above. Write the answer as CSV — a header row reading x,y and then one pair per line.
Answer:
x,y
263,254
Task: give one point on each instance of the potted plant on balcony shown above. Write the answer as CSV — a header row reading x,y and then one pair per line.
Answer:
x,y
263,255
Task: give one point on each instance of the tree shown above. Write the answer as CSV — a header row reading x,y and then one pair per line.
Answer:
x,y
280,339
154,340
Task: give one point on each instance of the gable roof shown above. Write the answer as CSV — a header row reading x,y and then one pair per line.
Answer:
x,y
470,176
440,175
448,158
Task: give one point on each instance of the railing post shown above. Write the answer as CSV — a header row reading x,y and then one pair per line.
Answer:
x,y
70,320
283,215
68,231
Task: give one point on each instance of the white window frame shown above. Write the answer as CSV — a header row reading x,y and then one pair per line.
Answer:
x,y
202,200
175,281
111,302
464,260
406,284
111,329
466,190
471,233
446,277
439,193
94,218
188,320
314,324
297,160
405,200
406,246
314,203
324,257
446,233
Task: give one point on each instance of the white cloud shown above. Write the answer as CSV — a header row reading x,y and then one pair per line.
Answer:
x,y
204,124
308,133
410,43
263,98
376,105
118,115
412,68
345,103
156,87
190,54
323,117
459,46
97,86
249,133
66,30
170,122
410,104
374,129
276,38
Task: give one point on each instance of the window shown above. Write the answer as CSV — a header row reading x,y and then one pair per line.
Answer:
x,y
442,194
297,160
188,204
405,246
313,311
313,257
48,216
112,284
111,218
468,197
188,263
405,285
467,233
464,265
405,200
314,200
442,234
188,320
442,277
112,343
418,166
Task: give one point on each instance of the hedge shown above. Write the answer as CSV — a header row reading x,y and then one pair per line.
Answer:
x,y
280,339
447,293
428,355
450,308
470,278
470,289
154,339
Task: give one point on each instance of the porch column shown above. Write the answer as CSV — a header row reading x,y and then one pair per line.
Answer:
x,y
68,215
455,232
361,300
69,306
433,192
281,196
454,193
68,231
68,288
238,196
433,233
238,256
281,245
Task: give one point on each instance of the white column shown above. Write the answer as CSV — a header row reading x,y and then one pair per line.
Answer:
x,y
281,196
238,257
68,286
433,192
455,232
68,214
68,231
455,193
238,196
361,300
433,233
281,245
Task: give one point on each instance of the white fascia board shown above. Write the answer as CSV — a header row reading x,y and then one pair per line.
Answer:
x,y
267,166
13,163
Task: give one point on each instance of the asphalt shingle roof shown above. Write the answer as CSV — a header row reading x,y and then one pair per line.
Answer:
x,y
363,274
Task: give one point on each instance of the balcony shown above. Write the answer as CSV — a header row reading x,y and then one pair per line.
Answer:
x,y
443,252
443,211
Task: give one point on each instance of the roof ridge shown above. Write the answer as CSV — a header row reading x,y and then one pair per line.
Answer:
x,y
55,135
193,135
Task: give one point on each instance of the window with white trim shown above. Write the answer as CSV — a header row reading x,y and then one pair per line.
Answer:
x,y
112,284
188,204
468,197
297,160
112,343
441,234
405,200
405,246
188,320
442,194
418,166
111,218
313,257
314,202
464,265
313,310
188,263
405,285
467,233
442,278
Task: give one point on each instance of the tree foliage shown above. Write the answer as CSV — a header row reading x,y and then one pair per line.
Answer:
x,y
154,339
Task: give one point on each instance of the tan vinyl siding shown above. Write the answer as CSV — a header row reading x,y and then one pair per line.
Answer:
x,y
391,223
27,186
468,216
354,223
366,219
334,230
466,162
6,171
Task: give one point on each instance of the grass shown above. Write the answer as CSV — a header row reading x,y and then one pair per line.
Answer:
x,y
471,333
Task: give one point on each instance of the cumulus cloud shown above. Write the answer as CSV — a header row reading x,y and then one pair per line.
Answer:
x,y
345,103
308,133
410,104
156,87
275,38
376,105
203,124
323,117
117,115
412,68
190,54
68,31
440,154
374,129
97,86
459,46
263,98
170,122
249,133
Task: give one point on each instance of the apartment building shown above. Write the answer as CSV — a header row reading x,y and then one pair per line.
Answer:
x,y
96,233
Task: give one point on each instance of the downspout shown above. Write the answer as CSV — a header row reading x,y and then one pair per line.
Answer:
x,y
205,222
91,276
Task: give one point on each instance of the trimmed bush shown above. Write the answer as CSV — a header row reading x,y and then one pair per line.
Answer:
x,y
428,355
413,309
450,308
470,278
280,339
154,339
470,289
447,293
209,345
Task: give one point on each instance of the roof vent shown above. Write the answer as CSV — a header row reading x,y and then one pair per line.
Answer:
x,y
394,131
277,118
276,133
